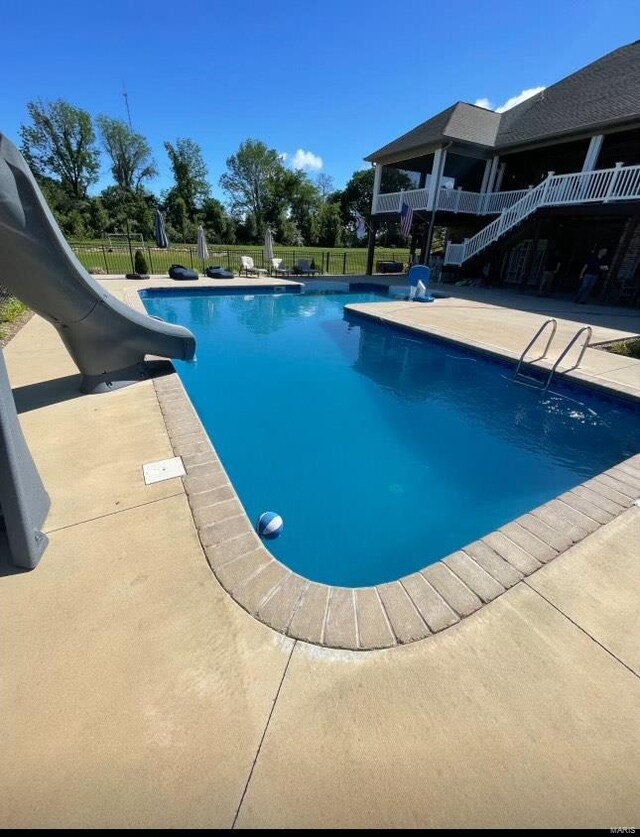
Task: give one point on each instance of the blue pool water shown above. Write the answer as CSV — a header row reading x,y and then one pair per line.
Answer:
x,y
382,451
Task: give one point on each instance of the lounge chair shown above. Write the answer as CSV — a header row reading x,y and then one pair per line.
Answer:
x,y
219,272
303,268
179,271
419,277
279,267
249,268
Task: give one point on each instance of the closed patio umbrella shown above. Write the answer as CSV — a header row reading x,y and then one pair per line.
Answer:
x,y
268,248
203,252
162,240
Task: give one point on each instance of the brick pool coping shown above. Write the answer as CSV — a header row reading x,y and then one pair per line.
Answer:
x,y
366,618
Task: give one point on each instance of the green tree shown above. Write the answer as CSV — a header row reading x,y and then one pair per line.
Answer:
x,y
130,153
286,231
61,144
324,184
251,179
98,218
330,225
219,226
302,200
74,215
180,225
358,193
247,230
190,174
135,208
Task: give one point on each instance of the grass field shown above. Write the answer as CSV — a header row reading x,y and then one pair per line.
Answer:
x,y
100,256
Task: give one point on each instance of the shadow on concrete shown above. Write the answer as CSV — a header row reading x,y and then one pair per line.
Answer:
x,y
57,390
44,393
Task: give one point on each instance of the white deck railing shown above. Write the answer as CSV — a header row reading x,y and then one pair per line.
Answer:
x,y
450,200
601,186
499,201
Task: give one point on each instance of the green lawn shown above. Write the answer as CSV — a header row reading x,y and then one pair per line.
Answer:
x,y
115,258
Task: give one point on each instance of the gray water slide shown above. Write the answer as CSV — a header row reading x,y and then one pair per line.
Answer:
x,y
107,340
23,501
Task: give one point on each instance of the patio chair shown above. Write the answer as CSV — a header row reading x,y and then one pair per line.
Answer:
x,y
179,271
218,272
304,268
249,268
279,267
419,278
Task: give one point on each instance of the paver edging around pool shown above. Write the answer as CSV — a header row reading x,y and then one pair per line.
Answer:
x,y
398,612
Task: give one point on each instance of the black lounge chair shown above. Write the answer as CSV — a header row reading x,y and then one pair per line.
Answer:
x,y
303,268
219,273
178,271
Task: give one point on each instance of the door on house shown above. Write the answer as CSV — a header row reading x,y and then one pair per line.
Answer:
x,y
523,264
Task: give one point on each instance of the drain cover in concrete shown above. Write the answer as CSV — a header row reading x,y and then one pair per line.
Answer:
x,y
164,469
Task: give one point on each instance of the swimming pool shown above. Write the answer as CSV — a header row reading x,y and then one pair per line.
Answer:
x,y
382,451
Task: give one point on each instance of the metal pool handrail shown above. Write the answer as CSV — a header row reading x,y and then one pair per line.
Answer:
x,y
589,332
554,325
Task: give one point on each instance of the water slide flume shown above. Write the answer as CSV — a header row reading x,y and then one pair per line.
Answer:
x,y
107,340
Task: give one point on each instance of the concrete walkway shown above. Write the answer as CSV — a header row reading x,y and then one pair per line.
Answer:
x,y
135,692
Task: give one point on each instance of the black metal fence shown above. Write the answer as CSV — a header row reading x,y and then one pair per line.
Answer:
x,y
108,258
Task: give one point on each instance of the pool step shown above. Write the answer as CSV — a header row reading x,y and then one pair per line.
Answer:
x,y
529,380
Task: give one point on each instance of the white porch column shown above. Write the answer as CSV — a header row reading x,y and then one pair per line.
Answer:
x,y
377,180
498,182
437,169
491,177
485,176
593,153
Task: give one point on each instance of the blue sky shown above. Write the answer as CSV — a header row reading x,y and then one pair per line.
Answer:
x,y
334,79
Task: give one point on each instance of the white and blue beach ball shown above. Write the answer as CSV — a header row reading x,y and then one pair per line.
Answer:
x,y
269,525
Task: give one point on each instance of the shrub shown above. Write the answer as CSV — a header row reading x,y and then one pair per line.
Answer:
x,y
11,310
628,348
140,263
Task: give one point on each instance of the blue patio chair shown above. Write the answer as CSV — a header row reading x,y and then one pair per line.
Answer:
x,y
419,278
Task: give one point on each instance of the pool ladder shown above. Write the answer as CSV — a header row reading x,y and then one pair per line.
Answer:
x,y
526,378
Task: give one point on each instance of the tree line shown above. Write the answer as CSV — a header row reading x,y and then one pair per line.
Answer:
x,y
63,145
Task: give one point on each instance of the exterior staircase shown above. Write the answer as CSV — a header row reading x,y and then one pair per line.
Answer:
x,y
621,183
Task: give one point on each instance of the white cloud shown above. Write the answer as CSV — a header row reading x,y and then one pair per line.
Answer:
x,y
521,97
283,156
510,103
306,161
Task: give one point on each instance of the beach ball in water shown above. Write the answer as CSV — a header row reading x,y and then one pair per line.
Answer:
x,y
269,525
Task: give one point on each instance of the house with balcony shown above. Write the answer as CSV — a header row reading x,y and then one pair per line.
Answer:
x,y
559,171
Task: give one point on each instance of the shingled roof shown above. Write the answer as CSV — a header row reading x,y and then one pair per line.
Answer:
x,y
462,122
603,93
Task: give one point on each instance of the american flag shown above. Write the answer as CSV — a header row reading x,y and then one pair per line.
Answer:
x,y
406,219
361,225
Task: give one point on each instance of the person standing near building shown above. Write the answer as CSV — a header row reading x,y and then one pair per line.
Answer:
x,y
550,270
596,265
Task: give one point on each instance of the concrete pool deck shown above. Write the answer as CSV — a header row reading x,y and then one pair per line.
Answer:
x,y
135,692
